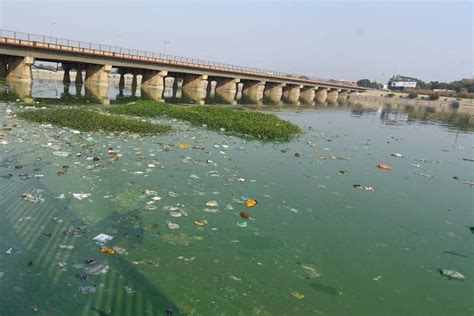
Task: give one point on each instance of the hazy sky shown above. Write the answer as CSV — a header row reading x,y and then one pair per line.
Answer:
x,y
339,39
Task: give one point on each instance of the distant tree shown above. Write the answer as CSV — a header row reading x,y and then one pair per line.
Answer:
x,y
434,96
366,83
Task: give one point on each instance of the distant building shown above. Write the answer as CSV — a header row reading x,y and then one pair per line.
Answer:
x,y
401,82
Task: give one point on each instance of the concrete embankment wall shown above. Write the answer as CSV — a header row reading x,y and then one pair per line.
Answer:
x,y
443,104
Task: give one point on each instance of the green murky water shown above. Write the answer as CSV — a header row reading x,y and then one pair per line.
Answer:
x,y
314,245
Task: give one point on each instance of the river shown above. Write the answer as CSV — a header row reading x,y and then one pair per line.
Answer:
x,y
314,243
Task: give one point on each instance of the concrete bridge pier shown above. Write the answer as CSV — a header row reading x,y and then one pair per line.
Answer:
x,y
193,82
134,81
321,95
122,73
98,92
67,67
97,74
332,96
274,91
197,96
3,67
253,90
291,94
19,69
23,90
152,92
153,79
226,89
79,78
307,95
342,97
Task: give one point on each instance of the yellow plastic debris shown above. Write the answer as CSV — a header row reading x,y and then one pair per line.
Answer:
x,y
250,203
183,146
106,250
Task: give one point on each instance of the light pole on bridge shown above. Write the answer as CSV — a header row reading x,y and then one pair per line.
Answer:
x,y
164,46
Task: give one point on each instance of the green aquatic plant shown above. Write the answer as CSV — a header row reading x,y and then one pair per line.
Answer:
x,y
91,121
243,123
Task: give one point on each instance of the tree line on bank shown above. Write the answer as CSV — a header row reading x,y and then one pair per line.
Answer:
x,y
463,88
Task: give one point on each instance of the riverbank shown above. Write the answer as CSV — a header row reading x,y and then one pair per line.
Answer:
x,y
397,99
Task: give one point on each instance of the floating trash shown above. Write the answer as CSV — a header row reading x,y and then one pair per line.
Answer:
x,y
172,225
98,269
81,196
200,222
212,203
396,155
183,146
103,238
174,213
31,198
120,250
88,289
128,290
245,215
13,251
90,261
106,250
365,188
452,275
382,166
241,224
343,172
69,247
62,154
297,294
250,203
310,270
233,277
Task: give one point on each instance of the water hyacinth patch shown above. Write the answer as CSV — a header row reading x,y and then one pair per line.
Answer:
x,y
91,121
243,123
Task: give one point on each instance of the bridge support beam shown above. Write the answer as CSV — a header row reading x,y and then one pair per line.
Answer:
x,y
3,67
253,90
194,82
19,69
225,89
79,79
98,92
332,96
307,95
274,91
152,79
23,90
342,97
67,75
291,93
226,85
98,74
321,95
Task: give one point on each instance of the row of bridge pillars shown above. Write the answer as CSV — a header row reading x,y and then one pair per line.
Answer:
x,y
197,86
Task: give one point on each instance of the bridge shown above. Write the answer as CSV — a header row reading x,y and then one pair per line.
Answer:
x,y
19,51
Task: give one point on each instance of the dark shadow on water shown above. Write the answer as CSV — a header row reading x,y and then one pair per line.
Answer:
x,y
40,240
326,289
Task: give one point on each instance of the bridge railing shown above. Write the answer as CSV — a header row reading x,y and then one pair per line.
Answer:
x,y
165,57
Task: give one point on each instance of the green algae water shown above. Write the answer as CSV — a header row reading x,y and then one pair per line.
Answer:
x,y
313,245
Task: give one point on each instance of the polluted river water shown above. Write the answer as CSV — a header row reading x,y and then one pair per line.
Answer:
x,y
318,241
